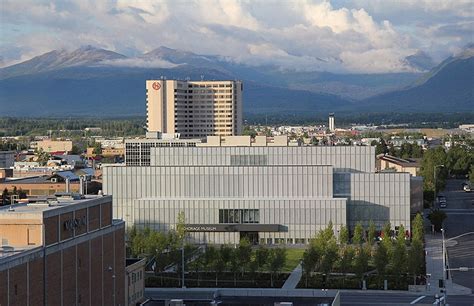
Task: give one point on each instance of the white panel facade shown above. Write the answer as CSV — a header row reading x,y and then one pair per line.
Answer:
x,y
343,159
298,188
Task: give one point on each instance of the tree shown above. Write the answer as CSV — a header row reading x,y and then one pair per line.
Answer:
x,y
311,258
387,237
398,259
97,148
459,160
361,262
234,264
276,261
5,196
344,235
223,259
380,146
42,157
76,150
437,218
431,159
371,233
180,226
358,237
330,256
418,228
261,257
244,253
210,257
401,234
416,259
380,260
345,259
471,175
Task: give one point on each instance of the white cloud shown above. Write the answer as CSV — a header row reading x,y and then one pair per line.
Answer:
x,y
339,35
138,62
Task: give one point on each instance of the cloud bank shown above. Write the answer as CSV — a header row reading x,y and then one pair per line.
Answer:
x,y
358,36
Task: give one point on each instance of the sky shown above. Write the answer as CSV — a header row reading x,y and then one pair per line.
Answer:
x,y
356,36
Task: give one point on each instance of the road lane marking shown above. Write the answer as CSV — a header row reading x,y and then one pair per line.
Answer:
x,y
418,299
437,301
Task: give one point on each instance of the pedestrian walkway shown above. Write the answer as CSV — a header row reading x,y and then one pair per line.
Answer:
x,y
434,267
294,278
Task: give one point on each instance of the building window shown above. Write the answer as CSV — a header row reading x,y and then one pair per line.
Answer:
x,y
239,216
247,160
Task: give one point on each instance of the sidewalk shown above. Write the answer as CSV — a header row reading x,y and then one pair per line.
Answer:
x,y
294,278
434,266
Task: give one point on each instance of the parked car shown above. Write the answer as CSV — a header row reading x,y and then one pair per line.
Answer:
x,y
467,188
442,201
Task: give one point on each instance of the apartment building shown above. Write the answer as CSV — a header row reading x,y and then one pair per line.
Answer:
x,y
194,109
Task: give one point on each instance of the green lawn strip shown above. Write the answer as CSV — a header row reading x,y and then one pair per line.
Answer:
x,y
293,258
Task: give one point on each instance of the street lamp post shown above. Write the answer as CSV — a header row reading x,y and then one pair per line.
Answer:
x,y
445,295
434,174
182,266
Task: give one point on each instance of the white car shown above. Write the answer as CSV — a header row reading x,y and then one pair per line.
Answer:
x,y
467,188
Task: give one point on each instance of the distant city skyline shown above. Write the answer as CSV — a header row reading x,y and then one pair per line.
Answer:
x,y
357,36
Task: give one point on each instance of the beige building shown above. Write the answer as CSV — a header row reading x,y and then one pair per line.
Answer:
x,y
194,109
65,250
387,162
135,281
54,145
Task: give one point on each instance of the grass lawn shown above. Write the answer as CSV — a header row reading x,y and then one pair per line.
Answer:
x,y
293,257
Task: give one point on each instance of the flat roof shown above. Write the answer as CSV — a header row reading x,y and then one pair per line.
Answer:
x,y
37,210
4,253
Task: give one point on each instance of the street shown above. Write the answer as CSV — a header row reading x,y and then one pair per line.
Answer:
x,y
460,212
348,297
402,298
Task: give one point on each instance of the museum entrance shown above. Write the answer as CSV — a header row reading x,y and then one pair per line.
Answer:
x,y
251,236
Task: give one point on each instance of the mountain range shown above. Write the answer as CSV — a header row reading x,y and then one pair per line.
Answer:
x,y
93,81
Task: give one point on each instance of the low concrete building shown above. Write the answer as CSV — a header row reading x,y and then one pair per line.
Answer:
x,y
64,250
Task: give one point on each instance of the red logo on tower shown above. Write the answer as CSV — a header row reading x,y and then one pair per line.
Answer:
x,y
156,86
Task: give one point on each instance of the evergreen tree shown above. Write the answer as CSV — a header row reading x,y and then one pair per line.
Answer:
x,y
346,258
381,261
416,259
371,233
358,237
401,234
418,228
361,262
344,235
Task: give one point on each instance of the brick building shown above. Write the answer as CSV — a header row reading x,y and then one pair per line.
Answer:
x,y
65,250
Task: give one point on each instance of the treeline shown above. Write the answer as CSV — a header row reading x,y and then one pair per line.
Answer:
x,y
164,249
67,127
441,164
395,256
410,120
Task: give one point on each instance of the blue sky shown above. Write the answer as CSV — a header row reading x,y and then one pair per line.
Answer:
x,y
361,36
